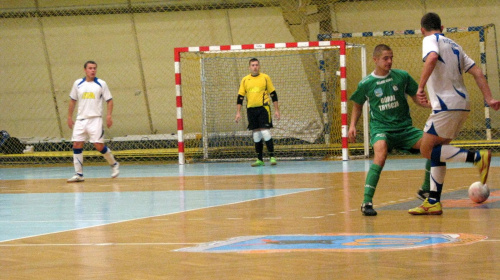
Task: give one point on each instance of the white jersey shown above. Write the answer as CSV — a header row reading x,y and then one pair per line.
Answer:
x,y
446,86
90,96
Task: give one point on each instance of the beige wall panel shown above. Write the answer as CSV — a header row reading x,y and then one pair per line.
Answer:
x,y
108,40
158,35
26,99
13,4
259,25
70,3
377,16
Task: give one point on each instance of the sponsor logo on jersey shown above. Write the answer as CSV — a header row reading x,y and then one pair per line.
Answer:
x,y
388,102
384,81
395,88
88,95
379,92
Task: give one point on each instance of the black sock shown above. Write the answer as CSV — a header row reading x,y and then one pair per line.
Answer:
x,y
434,197
470,156
270,147
259,148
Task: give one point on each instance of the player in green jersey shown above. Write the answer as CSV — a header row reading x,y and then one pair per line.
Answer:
x,y
390,122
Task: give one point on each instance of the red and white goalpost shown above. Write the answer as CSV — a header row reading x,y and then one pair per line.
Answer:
x,y
203,77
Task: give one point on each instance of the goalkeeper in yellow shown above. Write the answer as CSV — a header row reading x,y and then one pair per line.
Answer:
x,y
259,91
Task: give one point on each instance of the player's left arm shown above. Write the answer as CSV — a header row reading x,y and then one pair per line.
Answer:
x,y
109,119
484,87
274,98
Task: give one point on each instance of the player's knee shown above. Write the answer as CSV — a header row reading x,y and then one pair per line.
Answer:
x,y
380,158
78,145
425,152
257,136
266,134
99,146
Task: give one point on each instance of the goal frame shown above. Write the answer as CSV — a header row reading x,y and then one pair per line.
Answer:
x,y
342,45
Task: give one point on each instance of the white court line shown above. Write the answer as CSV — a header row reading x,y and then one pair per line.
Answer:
x,y
96,244
164,214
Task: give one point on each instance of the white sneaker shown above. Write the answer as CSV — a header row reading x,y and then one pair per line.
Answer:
x,y
115,170
76,178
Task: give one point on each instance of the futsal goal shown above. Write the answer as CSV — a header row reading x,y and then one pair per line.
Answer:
x,y
309,77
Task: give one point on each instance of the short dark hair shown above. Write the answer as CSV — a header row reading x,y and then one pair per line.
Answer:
x,y
252,60
380,48
89,62
431,21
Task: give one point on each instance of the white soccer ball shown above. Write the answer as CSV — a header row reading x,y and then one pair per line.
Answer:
x,y
478,192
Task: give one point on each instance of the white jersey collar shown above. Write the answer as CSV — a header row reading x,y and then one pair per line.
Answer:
x,y
380,77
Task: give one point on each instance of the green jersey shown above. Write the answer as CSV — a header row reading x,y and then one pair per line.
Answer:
x,y
389,110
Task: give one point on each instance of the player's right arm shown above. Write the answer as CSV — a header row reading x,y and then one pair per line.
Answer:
x,y
71,109
239,100
429,65
358,98
355,114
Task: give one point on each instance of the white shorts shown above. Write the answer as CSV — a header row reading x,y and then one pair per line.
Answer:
x,y
88,128
446,124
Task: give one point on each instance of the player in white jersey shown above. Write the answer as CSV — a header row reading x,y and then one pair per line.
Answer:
x,y
445,62
90,92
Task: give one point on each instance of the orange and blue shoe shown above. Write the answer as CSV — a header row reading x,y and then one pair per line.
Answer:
x,y
484,164
427,209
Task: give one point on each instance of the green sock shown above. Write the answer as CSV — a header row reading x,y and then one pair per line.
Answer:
x,y
426,185
371,182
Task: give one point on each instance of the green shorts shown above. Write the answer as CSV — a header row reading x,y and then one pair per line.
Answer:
x,y
400,140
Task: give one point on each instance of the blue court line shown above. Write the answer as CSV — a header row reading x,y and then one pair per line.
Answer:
x,y
26,215
217,169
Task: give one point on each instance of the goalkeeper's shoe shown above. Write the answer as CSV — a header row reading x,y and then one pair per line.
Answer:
x,y
258,163
367,209
273,161
76,178
427,209
484,164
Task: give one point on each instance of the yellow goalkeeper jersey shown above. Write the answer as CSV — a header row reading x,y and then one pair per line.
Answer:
x,y
256,89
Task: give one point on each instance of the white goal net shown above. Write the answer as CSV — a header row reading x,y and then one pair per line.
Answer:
x,y
307,77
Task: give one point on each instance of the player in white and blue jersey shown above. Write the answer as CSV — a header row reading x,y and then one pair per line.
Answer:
x,y
445,62
90,92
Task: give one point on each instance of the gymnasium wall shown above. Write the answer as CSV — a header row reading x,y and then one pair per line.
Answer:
x,y
43,53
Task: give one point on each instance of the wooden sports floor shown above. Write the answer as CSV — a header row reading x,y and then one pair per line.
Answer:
x,y
296,220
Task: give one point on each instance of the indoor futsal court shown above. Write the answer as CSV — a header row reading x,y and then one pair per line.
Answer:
x,y
296,220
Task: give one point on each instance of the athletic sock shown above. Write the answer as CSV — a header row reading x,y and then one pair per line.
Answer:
x,y
371,182
270,147
449,153
259,148
78,161
106,153
426,185
438,172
